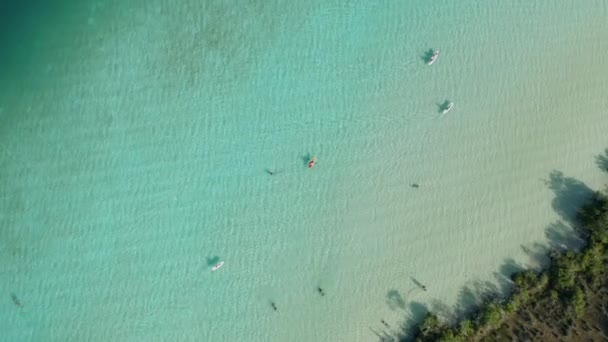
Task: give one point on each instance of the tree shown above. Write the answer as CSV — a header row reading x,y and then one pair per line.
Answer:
x,y
450,336
512,305
467,328
578,302
430,325
491,314
525,279
554,295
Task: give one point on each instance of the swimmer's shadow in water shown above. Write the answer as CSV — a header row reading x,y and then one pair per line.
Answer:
x,y
306,158
426,57
213,260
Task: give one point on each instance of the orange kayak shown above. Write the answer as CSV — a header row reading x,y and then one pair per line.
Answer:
x,y
312,162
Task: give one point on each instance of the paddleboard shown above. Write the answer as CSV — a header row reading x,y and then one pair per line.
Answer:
x,y
217,266
449,108
434,57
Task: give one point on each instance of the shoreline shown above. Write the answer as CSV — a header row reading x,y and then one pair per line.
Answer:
x,y
566,299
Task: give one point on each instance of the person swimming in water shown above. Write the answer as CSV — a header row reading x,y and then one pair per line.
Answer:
x,y
273,306
385,324
272,173
321,291
16,300
415,185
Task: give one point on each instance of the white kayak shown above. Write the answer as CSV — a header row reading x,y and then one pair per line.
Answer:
x,y
434,57
217,266
448,108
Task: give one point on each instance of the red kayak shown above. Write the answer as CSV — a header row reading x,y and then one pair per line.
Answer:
x,y
312,162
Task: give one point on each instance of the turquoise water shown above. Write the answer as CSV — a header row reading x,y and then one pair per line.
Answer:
x,y
136,135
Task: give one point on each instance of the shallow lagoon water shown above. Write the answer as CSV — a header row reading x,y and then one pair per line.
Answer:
x,y
135,139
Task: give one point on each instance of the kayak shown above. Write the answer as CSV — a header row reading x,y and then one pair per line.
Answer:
x,y
448,108
217,266
312,162
434,57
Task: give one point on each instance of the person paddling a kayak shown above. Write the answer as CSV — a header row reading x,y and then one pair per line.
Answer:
x,y
312,162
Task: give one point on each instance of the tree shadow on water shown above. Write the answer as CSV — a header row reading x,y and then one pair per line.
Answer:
x,y
538,254
602,160
395,300
562,234
443,310
562,237
416,312
569,194
508,268
383,336
473,295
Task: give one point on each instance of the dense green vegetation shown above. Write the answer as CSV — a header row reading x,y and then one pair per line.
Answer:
x,y
564,285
